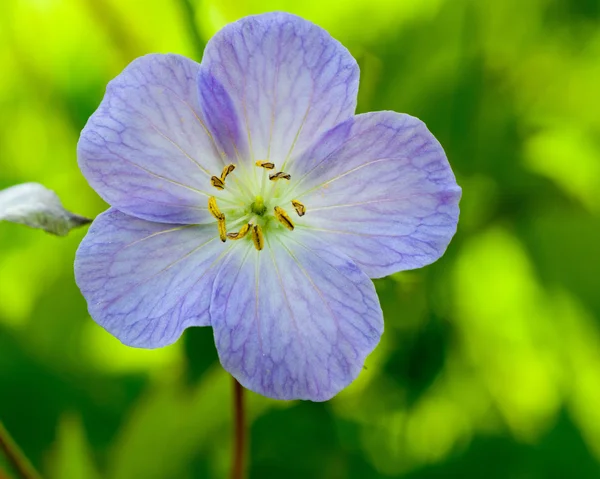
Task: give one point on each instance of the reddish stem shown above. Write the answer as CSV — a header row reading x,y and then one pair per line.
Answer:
x,y
239,445
15,456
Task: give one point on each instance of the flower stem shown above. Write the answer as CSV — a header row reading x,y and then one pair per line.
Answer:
x,y
15,456
239,446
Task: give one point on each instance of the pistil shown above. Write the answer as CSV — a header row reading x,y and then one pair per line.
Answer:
x,y
258,206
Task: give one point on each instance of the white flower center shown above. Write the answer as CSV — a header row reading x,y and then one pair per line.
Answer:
x,y
253,203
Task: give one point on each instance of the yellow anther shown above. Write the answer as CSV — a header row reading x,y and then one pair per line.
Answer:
x,y
214,209
284,218
228,169
222,229
240,234
257,237
299,207
267,165
280,176
217,182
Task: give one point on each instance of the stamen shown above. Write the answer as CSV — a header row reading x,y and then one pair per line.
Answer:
x,y
214,209
283,218
267,165
217,182
240,234
257,237
222,229
280,176
299,207
228,169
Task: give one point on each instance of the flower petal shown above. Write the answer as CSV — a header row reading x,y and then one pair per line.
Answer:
x,y
288,79
221,117
380,189
146,282
294,321
147,150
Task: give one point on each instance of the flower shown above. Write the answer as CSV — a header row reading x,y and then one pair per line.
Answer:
x,y
246,195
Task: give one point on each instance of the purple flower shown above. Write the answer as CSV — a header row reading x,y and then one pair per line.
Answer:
x,y
246,195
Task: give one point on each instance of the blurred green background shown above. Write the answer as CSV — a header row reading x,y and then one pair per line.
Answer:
x,y
490,363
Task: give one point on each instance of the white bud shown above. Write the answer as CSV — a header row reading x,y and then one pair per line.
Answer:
x,y
35,205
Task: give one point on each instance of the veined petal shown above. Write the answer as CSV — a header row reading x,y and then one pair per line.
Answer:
x,y
146,282
147,150
288,80
380,189
221,117
294,321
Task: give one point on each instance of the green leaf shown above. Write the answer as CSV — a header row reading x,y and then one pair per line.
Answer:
x,y
72,455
